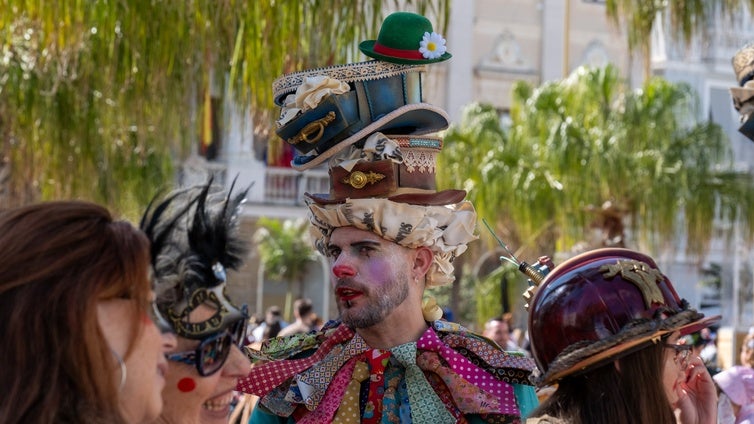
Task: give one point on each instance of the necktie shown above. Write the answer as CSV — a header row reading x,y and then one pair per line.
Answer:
x,y
349,412
266,377
335,391
469,398
491,355
377,360
315,381
426,407
470,372
390,411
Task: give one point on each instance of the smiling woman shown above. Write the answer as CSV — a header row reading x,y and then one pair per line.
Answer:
x,y
79,342
194,240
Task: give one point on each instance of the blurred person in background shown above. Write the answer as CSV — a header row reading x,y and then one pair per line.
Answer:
x,y
271,326
736,386
498,330
303,311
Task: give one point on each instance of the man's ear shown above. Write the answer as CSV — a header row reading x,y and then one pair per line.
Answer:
x,y
422,262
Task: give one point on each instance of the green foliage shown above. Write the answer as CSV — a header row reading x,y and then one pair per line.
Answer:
x,y
488,293
284,248
98,99
589,139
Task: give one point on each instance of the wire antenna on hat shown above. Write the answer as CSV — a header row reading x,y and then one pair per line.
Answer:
x,y
535,273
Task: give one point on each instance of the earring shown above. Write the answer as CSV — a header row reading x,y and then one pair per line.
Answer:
x,y
123,371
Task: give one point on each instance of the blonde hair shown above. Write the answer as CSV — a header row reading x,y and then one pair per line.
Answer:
x,y
747,350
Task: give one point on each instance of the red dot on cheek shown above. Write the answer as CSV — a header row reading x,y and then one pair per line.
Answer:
x,y
186,384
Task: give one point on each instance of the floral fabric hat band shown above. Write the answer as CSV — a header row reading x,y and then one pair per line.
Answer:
x,y
446,230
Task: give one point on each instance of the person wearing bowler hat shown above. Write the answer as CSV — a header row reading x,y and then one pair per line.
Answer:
x,y
605,328
389,234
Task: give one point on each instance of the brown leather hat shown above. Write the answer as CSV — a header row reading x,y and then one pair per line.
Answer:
x,y
601,305
411,179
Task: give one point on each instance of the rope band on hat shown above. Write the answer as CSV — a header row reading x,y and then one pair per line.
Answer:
x,y
580,351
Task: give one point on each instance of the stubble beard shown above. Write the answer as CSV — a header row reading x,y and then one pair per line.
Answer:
x,y
381,303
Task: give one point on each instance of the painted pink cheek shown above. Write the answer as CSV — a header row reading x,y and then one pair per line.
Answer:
x,y
186,385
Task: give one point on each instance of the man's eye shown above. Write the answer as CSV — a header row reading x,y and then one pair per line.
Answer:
x,y
365,250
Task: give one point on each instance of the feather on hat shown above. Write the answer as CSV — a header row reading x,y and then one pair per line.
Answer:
x,y
194,240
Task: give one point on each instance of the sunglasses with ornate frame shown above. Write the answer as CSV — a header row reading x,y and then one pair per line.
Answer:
x,y
214,349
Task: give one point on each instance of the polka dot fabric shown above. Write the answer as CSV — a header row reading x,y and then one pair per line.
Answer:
x,y
349,412
477,377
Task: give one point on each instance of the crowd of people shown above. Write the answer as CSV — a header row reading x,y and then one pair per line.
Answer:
x,y
104,321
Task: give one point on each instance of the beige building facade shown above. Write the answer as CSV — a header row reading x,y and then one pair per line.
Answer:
x,y
498,42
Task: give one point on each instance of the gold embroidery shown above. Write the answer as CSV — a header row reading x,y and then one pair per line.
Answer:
x,y
644,277
358,179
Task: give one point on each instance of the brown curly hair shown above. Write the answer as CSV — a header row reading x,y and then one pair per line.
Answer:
x,y
59,259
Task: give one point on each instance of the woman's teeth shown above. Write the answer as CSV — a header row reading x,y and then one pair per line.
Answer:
x,y
218,404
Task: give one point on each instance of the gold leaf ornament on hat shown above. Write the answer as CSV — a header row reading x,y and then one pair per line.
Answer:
x,y
644,277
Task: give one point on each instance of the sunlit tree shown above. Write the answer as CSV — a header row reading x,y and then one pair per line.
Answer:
x,y
686,19
100,99
285,252
575,145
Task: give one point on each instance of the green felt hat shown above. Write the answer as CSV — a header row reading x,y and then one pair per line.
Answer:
x,y
406,38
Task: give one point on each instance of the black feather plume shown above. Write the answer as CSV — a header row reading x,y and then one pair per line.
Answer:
x,y
194,234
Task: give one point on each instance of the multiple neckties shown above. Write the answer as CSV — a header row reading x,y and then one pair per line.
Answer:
x,y
349,411
346,382
426,407
266,377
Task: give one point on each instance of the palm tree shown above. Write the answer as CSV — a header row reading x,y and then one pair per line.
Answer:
x,y
574,145
101,99
285,252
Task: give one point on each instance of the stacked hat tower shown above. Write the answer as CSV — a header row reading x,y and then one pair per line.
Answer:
x,y
743,95
369,121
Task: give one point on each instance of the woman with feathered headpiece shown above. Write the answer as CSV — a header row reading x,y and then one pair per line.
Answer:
x,y
194,241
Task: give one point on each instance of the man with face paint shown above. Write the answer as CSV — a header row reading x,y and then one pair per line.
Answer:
x,y
194,240
389,234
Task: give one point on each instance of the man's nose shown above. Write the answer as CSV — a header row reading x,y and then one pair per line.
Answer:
x,y
343,271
